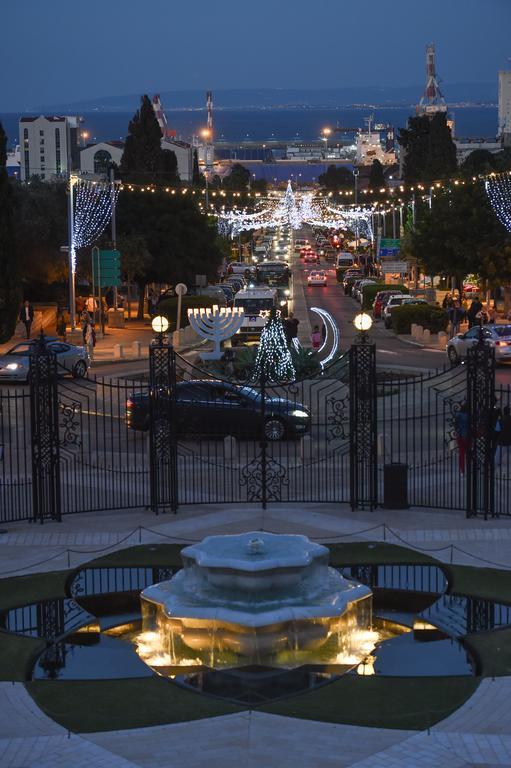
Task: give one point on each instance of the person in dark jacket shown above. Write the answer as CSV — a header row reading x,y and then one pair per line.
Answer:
x,y
27,316
503,437
473,311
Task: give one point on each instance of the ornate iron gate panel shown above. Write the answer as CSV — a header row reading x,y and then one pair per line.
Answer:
x,y
15,455
482,418
363,467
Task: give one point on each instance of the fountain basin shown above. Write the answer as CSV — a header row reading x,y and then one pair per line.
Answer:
x,y
253,598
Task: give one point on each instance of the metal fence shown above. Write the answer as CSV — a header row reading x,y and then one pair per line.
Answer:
x,y
73,445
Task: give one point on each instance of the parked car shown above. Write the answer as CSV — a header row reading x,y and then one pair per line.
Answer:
x,y
228,291
397,300
239,268
15,364
496,336
380,300
316,277
218,409
359,293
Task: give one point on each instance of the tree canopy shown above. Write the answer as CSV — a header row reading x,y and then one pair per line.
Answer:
x,y
144,161
429,151
336,177
238,178
376,177
10,293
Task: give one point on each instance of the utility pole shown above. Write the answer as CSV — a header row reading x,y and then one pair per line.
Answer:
x,y
72,255
114,226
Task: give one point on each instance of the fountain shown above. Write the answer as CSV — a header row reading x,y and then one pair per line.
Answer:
x,y
255,599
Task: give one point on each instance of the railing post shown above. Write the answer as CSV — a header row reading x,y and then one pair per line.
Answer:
x,y
44,424
363,437
480,474
162,426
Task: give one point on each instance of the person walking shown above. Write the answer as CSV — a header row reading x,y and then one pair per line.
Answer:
x,y
316,337
90,339
27,316
292,324
456,315
503,430
462,429
473,311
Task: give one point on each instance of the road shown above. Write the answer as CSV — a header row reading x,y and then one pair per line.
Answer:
x,y
390,350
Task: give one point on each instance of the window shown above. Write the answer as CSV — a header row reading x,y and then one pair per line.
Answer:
x,y
41,133
102,160
41,142
25,138
57,138
58,166
27,164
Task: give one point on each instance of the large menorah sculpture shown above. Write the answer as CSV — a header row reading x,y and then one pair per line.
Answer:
x,y
216,325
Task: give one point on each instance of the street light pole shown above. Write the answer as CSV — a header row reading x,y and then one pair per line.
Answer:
x,y
355,174
72,256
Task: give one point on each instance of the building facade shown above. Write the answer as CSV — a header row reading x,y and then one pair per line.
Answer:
x,y
97,159
49,146
504,127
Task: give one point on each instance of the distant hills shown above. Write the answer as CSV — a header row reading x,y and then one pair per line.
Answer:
x,y
272,98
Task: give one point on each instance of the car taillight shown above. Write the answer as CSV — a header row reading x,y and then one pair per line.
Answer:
x,y
501,344
129,403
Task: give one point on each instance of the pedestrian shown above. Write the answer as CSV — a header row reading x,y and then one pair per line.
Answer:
x,y
473,311
456,315
492,315
503,437
293,324
462,431
90,305
90,339
316,337
86,320
27,316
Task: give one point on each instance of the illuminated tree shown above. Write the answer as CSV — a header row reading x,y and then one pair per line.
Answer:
x,y
273,361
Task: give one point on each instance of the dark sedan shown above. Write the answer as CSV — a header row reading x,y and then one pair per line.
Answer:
x,y
218,409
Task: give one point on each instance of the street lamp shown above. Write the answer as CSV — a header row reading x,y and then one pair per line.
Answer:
x,y
363,323
206,135
326,133
160,325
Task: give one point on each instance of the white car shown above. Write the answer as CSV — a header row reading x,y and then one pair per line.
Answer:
x,y
359,292
238,268
397,301
15,364
496,336
317,277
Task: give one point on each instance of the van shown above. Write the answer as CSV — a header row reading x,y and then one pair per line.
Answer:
x,y
345,261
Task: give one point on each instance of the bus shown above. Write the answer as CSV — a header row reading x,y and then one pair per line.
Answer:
x,y
257,304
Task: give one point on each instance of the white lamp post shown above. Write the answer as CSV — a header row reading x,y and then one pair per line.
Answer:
x,y
363,323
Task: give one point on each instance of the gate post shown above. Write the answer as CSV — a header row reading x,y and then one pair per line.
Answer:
x,y
363,439
480,402
162,424
264,442
44,426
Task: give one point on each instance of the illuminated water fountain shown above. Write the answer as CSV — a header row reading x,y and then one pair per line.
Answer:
x,y
255,599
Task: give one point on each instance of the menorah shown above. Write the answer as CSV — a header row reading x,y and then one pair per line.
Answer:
x,y
216,325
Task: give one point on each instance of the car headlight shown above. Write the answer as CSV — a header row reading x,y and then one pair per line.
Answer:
x,y
287,292
13,366
298,414
283,303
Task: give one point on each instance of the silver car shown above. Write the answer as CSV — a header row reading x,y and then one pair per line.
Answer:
x,y
496,336
15,364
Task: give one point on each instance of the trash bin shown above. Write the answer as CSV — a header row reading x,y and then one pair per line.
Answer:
x,y
395,486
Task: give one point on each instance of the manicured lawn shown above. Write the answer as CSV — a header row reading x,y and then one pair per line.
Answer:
x,y
142,555
493,650
16,655
22,590
364,553
488,583
88,705
380,702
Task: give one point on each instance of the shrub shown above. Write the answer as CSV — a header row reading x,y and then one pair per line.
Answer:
x,y
433,318
168,308
370,292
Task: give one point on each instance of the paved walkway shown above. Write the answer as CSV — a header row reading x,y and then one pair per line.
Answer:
x,y
478,734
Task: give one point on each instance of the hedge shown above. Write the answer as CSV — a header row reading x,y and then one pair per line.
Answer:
x,y
430,317
168,308
370,291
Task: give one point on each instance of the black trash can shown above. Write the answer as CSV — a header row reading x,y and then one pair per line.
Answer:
x,y
395,486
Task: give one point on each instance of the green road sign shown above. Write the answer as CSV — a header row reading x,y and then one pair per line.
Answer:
x,y
107,269
390,242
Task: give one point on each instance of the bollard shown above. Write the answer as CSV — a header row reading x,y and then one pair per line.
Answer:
x,y
413,330
419,330
136,346
380,446
442,339
230,447
426,336
176,340
306,448
118,352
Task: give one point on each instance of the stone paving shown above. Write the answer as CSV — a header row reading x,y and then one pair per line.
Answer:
x,y
478,734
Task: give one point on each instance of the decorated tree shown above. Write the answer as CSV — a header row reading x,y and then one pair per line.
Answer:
x,y
273,361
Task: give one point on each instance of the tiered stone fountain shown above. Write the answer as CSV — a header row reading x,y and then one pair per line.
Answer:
x,y
255,599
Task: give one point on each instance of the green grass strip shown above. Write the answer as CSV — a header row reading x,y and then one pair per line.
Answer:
x,y
17,654
408,703
32,588
143,555
86,706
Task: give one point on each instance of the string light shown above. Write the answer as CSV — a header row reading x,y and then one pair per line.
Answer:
x,y
498,189
92,212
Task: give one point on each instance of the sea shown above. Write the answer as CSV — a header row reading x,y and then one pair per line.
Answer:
x,y
278,124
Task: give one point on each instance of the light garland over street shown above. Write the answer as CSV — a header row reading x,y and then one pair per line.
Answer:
x,y
498,189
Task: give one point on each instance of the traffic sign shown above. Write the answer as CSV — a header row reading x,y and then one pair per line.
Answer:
x,y
108,269
390,242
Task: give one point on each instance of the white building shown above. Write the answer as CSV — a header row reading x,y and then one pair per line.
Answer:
x,y
13,164
97,158
369,148
465,147
504,127
49,146
184,156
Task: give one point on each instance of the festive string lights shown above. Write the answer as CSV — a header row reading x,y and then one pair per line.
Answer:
x,y
92,211
498,189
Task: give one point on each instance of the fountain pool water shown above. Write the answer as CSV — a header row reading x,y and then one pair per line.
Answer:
x,y
255,599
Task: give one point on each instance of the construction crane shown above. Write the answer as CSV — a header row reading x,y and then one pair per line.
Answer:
x,y
432,100
166,132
